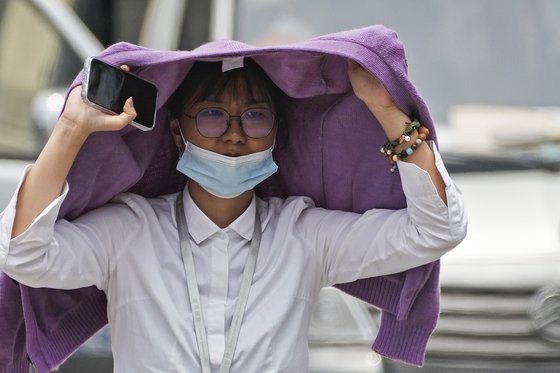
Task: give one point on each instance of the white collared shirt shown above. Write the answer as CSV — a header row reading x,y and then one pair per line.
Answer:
x,y
130,250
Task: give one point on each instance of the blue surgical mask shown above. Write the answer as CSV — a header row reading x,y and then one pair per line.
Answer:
x,y
223,176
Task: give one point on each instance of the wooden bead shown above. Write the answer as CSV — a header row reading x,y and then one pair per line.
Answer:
x,y
422,136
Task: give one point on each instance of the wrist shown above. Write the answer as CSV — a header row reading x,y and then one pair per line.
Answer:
x,y
393,123
406,144
71,131
391,118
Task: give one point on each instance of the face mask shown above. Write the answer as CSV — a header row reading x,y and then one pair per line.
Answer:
x,y
223,176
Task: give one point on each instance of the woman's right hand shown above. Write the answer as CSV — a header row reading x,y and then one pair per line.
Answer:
x,y
45,180
87,119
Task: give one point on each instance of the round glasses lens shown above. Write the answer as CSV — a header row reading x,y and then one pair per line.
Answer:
x,y
257,122
212,122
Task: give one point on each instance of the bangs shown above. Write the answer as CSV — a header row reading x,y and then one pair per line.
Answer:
x,y
206,81
234,84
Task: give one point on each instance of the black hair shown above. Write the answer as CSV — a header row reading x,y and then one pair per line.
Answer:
x,y
206,81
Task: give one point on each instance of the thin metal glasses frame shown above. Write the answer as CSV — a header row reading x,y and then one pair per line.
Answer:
x,y
228,120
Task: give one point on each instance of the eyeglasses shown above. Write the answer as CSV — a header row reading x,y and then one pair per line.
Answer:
x,y
214,122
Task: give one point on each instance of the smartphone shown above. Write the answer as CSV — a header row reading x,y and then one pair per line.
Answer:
x,y
107,87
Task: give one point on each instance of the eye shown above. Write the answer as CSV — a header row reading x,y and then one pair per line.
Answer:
x,y
254,114
213,113
259,115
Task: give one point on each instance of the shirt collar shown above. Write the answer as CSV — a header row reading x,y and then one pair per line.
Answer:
x,y
201,227
244,225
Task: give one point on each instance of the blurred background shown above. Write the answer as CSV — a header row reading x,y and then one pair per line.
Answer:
x,y
489,70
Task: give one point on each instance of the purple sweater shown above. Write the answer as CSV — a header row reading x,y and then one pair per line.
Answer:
x,y
332,155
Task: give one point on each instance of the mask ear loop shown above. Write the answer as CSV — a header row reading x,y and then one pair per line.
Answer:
x,y
180,150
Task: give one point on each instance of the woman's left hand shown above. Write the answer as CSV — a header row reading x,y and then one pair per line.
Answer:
x,y
368,89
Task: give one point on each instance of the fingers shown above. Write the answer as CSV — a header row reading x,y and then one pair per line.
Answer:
x,y
125,68
128,108
110,122
129,112
351,66
354,67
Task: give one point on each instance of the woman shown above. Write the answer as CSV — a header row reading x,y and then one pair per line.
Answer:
x,y
151,265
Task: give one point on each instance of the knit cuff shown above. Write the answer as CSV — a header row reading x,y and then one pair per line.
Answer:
x,y
401,340
77,327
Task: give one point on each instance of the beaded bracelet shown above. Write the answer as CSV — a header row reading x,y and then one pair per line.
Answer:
x,y
389,148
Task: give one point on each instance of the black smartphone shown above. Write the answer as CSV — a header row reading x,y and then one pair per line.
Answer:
x,y
107,87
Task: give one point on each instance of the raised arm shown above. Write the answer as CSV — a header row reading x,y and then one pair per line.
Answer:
x,y
368,89
45,180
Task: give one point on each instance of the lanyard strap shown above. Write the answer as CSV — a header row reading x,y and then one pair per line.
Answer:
x,y
194,296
